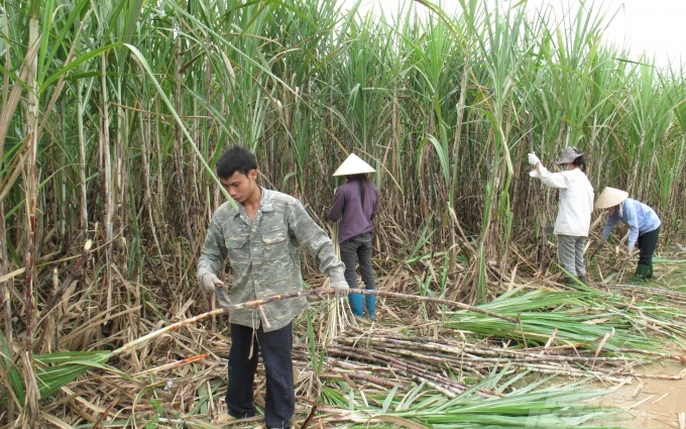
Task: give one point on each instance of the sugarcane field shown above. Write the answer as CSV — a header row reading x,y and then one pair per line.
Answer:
x,y
308,214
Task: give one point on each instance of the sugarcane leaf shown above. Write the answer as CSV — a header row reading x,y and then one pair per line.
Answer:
x,y
389,398
400,422
10,373
64,367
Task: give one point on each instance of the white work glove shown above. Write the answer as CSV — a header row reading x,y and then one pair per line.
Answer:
x,y
340,288
210,282
533,159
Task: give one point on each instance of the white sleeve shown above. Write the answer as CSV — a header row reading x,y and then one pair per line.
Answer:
x,y
553,180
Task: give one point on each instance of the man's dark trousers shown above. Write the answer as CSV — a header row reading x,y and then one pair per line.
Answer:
x,y
646,246
275,347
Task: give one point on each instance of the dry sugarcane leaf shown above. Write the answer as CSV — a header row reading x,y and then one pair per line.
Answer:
x,y
640,402
550,341
83,401
602,343
55,421
660,398
401,422
638,389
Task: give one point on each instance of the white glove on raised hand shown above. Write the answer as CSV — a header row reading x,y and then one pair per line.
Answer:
x,y
340,288
533,159
210,282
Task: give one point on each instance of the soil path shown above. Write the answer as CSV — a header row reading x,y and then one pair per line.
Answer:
x,y
652,403
656,403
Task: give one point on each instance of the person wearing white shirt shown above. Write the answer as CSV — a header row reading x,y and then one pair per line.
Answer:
x,y
575,208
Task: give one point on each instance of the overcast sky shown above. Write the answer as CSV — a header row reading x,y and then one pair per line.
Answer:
x,y
655,26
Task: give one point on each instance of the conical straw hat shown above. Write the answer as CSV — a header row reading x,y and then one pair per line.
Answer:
x,y
610,197
353,165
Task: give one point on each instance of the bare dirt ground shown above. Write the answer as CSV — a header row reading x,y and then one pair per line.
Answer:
x,y
657,403
652,403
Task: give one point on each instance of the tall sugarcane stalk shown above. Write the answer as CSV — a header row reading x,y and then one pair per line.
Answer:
x,y
5,302
83,200
108,184
32,117
179,156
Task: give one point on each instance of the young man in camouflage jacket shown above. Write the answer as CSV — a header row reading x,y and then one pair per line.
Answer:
x,y
261,234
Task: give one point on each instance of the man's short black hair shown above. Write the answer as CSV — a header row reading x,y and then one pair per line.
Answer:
x,y
236,159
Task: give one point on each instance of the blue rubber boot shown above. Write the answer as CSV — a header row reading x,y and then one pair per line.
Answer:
x,y
370,303
355,300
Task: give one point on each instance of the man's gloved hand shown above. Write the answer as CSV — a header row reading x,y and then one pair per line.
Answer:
x,y
340,288
533,159
210,282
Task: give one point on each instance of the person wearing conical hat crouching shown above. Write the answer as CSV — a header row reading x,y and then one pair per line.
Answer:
x,y
355,204
643,223
575,208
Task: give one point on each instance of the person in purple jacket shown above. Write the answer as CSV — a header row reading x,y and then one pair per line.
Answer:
x,y
643,223
355,204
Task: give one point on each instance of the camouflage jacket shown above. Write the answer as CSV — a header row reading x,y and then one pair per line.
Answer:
x,y
264,256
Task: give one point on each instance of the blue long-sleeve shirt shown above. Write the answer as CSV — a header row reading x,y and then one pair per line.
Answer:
x,y
639,217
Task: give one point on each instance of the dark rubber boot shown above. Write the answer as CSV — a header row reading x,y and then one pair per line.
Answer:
x,y
642,273
569,281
